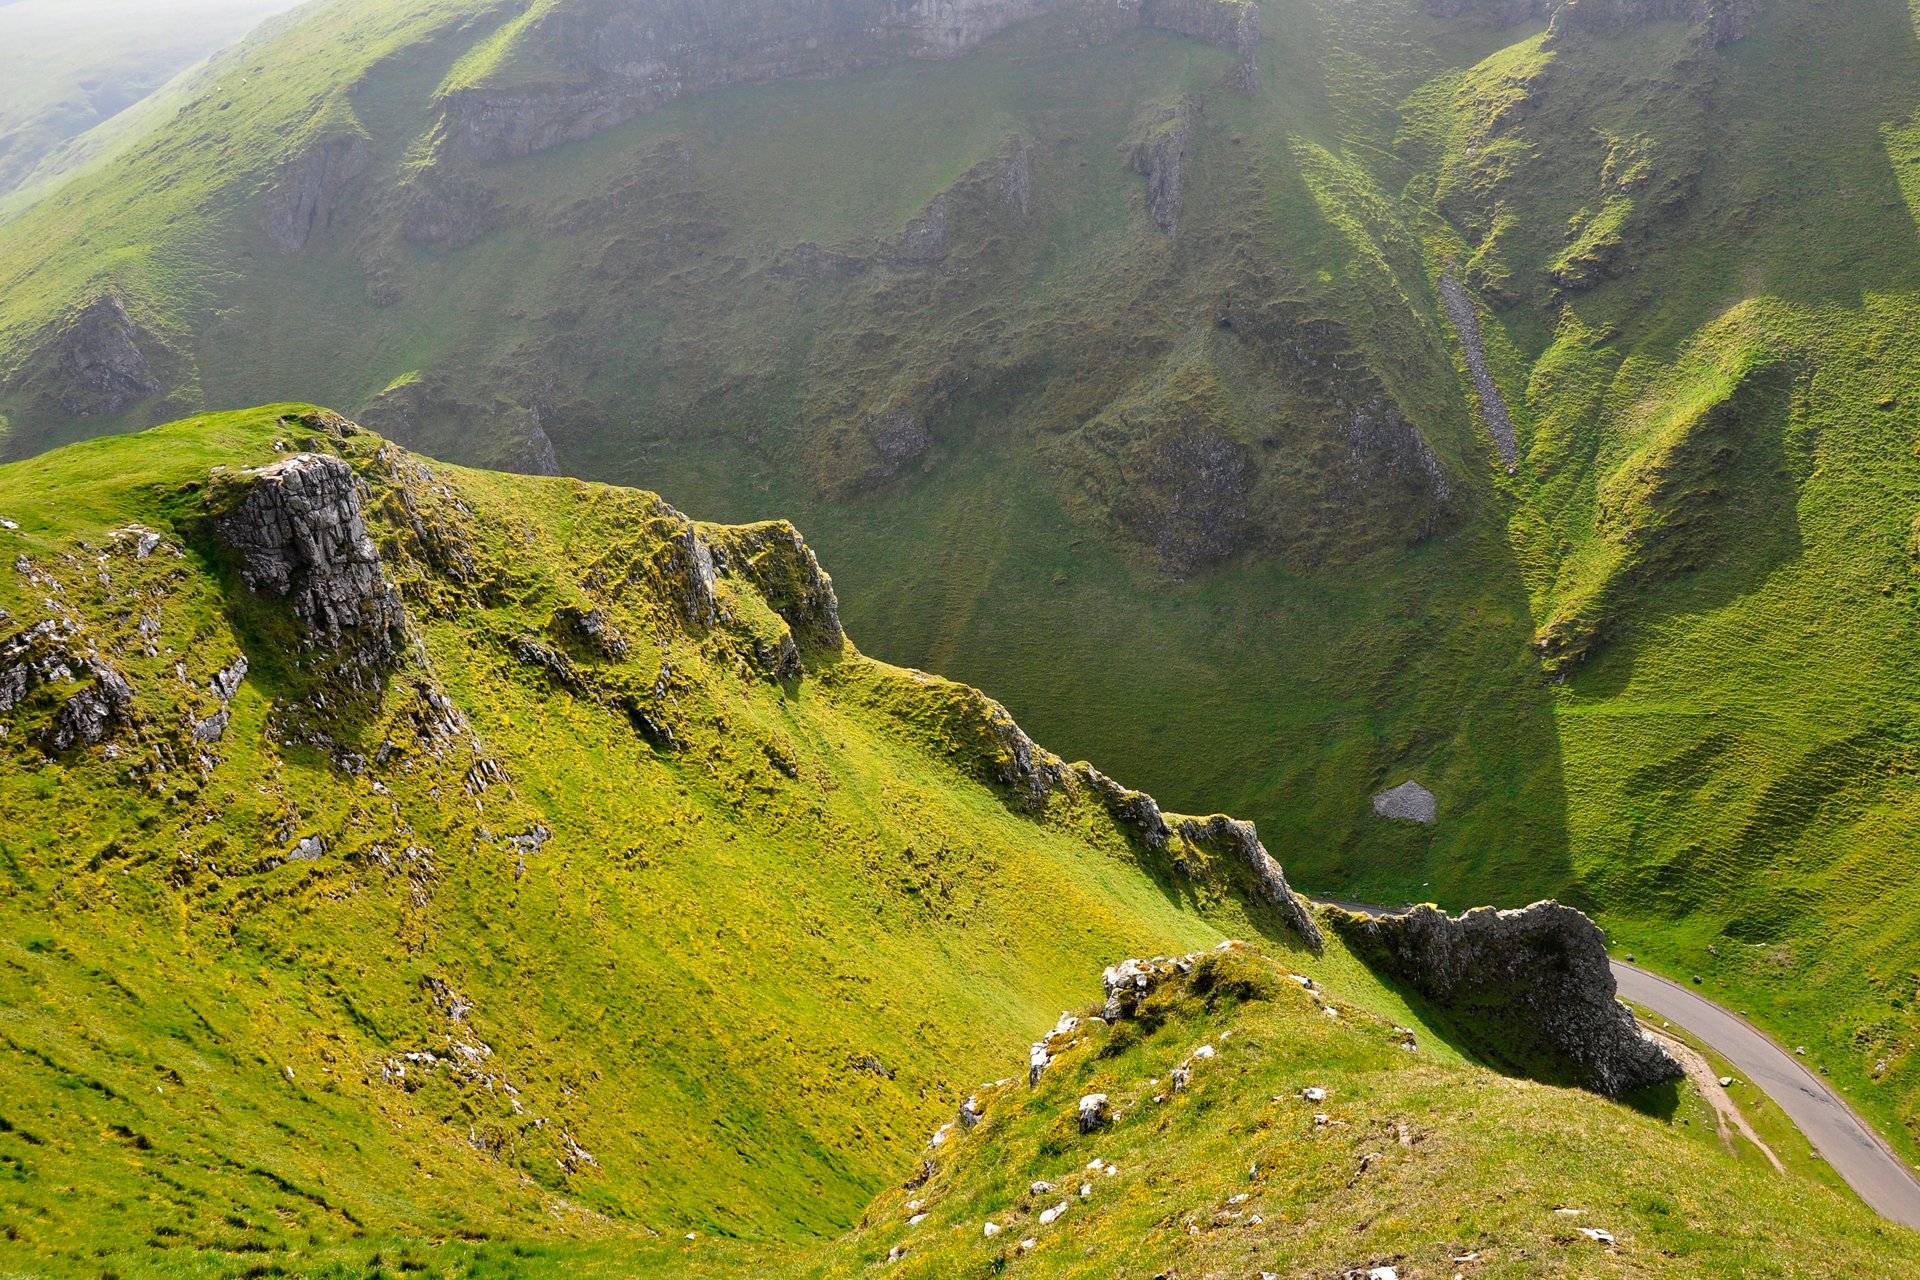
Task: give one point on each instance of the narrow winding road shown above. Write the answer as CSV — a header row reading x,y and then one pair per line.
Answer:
x,y
1842,1138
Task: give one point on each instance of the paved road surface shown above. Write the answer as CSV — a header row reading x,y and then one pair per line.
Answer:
x,y
1842,1138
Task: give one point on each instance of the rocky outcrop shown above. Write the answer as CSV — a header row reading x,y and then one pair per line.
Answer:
x,y
777,562
55,653
1532,987
298,532
89,716
1241,842
307,187
95,362
1157,150
1232,24
1721,21
618,59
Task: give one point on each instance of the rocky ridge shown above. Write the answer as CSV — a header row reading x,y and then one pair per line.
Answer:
x,y
618,59
1536,978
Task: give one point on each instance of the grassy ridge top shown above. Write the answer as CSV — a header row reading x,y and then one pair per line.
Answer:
x,y
555,937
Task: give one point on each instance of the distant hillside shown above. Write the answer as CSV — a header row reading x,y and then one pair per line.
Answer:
x,y
1277,402
69,66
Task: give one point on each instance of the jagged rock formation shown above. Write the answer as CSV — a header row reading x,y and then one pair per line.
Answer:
x,y
1533,985
1157,151
1239,841
300,535
618,59
93,363
308,186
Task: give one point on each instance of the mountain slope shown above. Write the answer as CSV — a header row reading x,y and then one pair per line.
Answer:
x,y
1113,364
69,68
528,859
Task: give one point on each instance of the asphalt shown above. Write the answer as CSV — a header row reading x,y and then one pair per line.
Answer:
x,y
1843,1139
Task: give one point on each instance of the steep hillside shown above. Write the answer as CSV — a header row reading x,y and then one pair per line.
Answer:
x,y
68,67
398,849
1277,402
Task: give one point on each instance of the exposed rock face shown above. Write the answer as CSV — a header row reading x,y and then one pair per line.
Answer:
x,y
98,361
1233,24
1240,841
1409,802
89,716
299,533
622,58
1157,151
1722,21
777,561
1536,980
308,186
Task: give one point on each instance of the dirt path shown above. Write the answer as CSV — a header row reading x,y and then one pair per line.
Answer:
x,y
1726,1115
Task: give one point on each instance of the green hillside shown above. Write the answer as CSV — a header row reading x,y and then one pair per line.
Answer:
x,y
575,899
1126,388
554,890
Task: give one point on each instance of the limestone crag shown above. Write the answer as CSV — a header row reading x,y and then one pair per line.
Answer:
x,y
1536,980
309,185
93,363
1157,151
300,535
1239,840
617,59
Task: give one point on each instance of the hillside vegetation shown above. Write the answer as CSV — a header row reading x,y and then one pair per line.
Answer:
x,y
420,870
1108,362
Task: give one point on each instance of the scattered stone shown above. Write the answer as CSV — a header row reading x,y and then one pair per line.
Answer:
x,y
916,1219
1314,1094
1049,1216
1095,1112
990,1230
896,1253
1597,1235
1408,802
1726,1082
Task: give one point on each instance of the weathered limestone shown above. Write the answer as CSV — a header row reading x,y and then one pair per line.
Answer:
x,y
1539,974
299,534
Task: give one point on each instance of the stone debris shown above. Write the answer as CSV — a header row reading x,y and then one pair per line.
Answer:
x,y
990,1230
1597,1235
1086,1189
1408,802
1028,1243
1493,406
1095,1112
896,1253
1049,1216
916,1219
1313,1093
1039,1188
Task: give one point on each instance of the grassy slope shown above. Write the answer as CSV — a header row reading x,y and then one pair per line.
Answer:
x,y
683,981
1730,770
71,67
